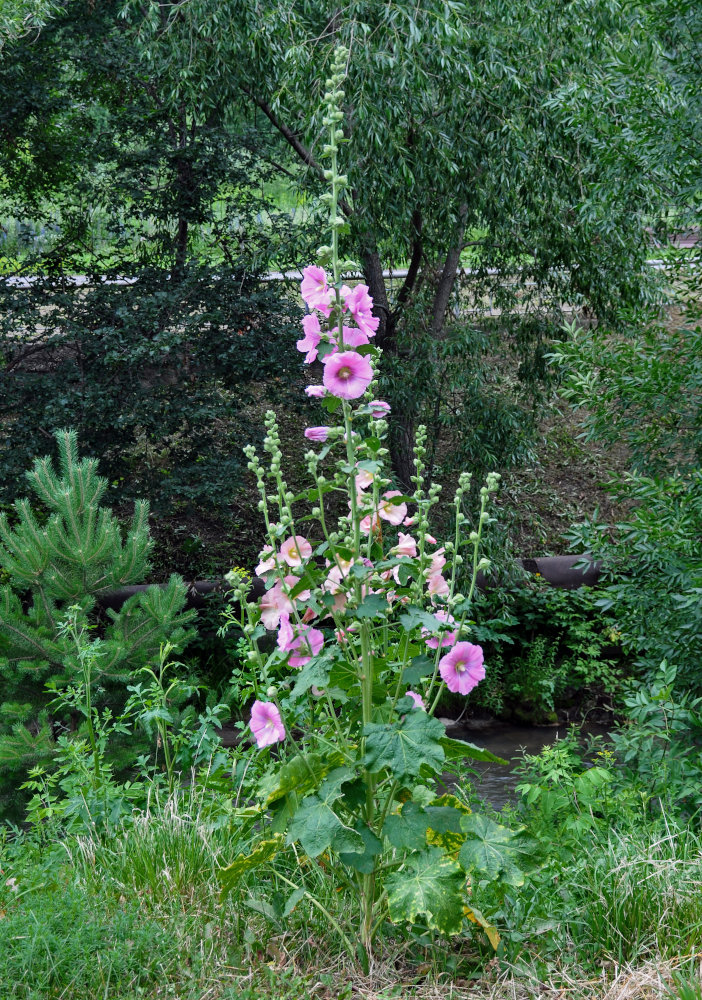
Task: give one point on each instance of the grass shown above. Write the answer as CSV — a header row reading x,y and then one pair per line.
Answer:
x,y
137,913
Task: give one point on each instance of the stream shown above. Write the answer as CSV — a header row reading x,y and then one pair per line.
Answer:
x,y
495,783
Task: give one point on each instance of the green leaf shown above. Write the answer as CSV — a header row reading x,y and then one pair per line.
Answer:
x,y
430,886
292,901
460,750
300,774
494,851
405,746
313,674
264,851
414,617
407,830
305,583
331,403
374,606
317,826
364,862
421,666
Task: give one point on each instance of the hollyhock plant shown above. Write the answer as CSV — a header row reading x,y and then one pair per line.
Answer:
x,y
347,375
371,620
266,724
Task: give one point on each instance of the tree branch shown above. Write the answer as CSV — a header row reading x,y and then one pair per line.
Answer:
x,y
448,277
415,261
293,140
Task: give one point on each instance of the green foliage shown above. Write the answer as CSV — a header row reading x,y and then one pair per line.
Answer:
x,y
643,390
57,566
652,568
18,17
547,648
563,796
659,744
157,375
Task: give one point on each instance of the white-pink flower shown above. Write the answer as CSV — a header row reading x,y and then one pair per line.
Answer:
x,y
392,512
462,669
267,563
360,305
319,434
266,723
406,546
438,561
347,374
295,550
364,479
273,602
314,288
437,586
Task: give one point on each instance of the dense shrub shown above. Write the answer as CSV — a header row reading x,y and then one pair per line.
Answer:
x,y
157,375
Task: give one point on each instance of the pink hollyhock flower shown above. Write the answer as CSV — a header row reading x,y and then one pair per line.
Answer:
x,y
360,305
447,638
273,602
417,699
267,563
352,337
332,585
379,408
305,644
409,521
438,561
316,433
315,391
462,669
371,522
347,375
406,546
314,288
437,586
294,550
364,479
432,541
309,615
392,512
313,335
266,724
285,632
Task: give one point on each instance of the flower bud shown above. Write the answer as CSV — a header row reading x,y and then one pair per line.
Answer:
x,y
271,692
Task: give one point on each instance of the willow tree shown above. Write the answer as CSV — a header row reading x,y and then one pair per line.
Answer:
x,y
460,152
